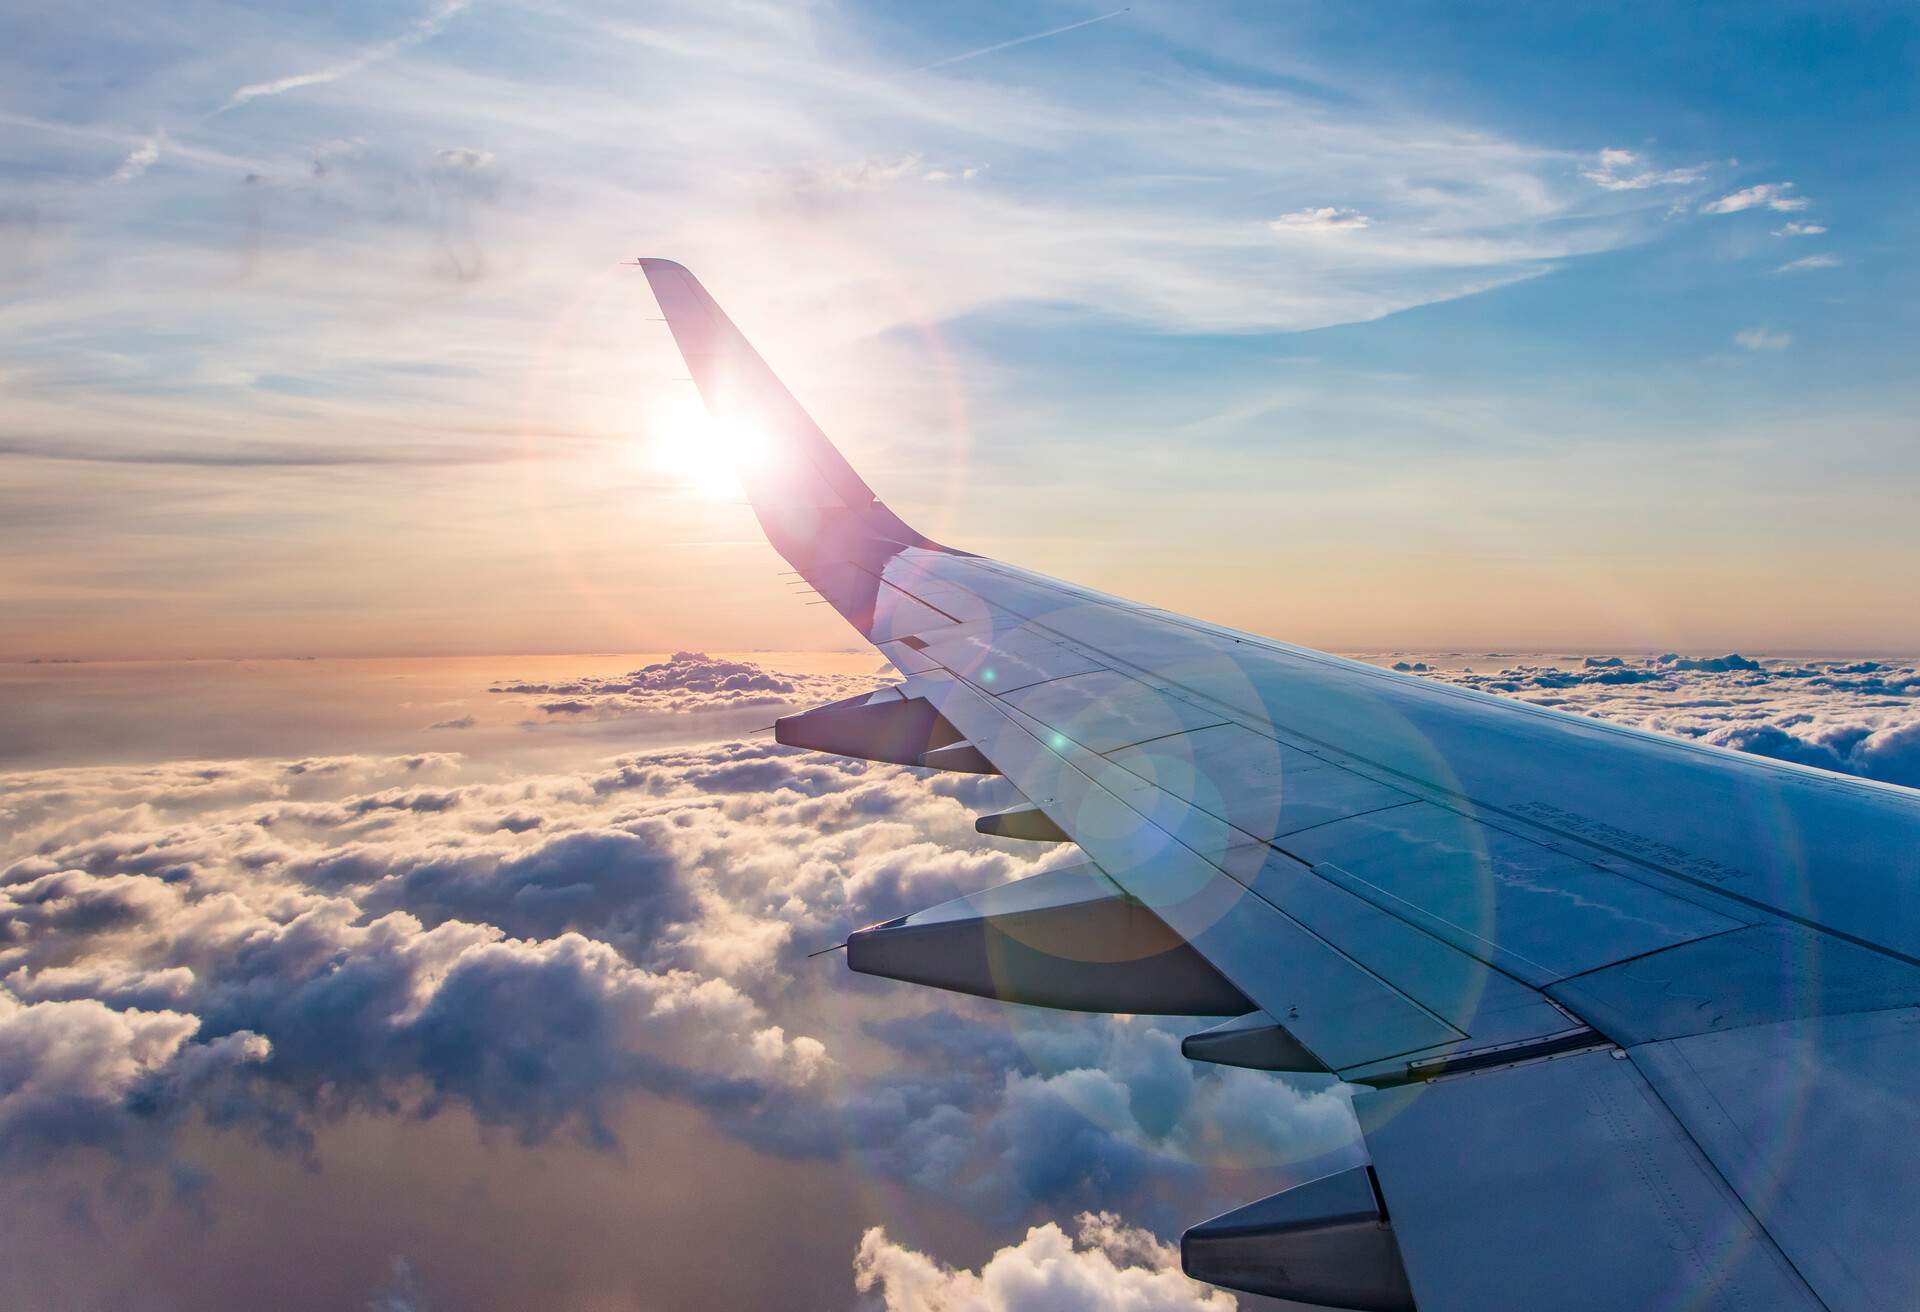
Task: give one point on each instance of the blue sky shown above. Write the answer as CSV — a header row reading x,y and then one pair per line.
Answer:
x,y
1358,325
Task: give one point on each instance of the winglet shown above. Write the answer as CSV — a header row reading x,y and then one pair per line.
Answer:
x,y
742,392
815,509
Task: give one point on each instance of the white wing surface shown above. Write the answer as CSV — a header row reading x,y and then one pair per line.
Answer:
x,y
1633,1021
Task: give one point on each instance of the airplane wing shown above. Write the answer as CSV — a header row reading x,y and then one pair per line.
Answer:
x,y
1631,1022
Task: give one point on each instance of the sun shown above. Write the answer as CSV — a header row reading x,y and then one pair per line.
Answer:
x,y
699,453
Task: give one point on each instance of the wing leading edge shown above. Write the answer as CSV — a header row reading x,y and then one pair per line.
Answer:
x,y
1631,1021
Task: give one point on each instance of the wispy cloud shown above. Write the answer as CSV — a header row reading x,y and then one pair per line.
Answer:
x,y
254,455
462,157
1323,219
1763,339
387,277
1627,170
1772,195
141,158
1810,263
1017,41
1468,209
881,171
1794,229
423,30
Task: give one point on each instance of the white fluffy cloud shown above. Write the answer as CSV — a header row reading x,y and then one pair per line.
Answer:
x,y
79,1072
375,936
1105,1266
1809,263
367,933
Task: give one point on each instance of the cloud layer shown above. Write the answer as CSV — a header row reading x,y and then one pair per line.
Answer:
x,y
207,967
688,682
273,951
1854,716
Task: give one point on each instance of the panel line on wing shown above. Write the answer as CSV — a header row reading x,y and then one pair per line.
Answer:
x,y
1261,722
1525,825
1456,1035
1338,819
1394,904
1514,964
910,594
1345,665
1451,800
1515,981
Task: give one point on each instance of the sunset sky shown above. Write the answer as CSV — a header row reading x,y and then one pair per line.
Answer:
x,y
1365,326
1555,351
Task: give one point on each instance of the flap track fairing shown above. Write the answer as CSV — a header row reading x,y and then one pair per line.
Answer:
x,y
1326,1242
1068,939
878,726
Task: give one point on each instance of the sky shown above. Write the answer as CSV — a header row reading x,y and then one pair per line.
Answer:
x,y
1422,325
466,961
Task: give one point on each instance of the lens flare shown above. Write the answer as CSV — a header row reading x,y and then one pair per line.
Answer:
x,y
700,454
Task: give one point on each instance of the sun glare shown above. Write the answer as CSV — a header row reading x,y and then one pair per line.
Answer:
x,y
699,453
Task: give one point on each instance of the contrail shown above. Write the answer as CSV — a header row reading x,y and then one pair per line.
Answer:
x,y
144,155
423,29
1017,41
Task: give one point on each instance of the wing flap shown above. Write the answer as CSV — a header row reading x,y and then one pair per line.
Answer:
x,y
1479,1002
1809,1120
1756,975
1565,1184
